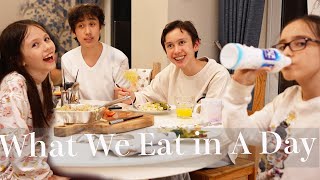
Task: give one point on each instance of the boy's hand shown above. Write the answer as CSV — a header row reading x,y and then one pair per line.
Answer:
x,y
121,92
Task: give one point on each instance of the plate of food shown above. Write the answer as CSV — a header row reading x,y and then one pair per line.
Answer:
x,y
155,108
194,132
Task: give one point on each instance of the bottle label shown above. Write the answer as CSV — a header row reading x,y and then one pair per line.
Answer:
x,y
267,65
269,54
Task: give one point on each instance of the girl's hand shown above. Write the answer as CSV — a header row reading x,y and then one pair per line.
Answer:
x,y
248,76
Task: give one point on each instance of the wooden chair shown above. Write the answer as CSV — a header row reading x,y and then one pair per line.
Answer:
x,y
155,69
146,75
246,165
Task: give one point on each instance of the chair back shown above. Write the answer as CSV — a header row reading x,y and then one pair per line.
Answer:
x,y
259,93
146,75
156,68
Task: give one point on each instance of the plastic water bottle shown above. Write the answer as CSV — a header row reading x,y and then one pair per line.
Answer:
x,y
238,56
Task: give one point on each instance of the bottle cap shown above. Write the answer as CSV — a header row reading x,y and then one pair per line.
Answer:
x,y
230,55
287,61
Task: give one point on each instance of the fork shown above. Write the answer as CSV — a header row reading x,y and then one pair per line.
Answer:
x,y
115,101
132,104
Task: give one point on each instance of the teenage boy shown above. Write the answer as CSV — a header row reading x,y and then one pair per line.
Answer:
x,y
97,66
187,75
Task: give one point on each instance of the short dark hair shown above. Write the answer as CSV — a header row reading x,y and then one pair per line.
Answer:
x,y
182,25
79,12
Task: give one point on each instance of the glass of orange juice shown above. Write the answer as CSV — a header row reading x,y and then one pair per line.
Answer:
x,y
184,106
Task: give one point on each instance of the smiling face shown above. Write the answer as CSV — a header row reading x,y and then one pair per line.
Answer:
x,y
87,31
180,49
306,62
37,51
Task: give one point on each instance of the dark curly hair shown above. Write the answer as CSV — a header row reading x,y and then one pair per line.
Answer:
x,y
79,12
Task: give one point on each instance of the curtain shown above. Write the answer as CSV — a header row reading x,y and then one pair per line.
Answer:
x,y
53,15
240,21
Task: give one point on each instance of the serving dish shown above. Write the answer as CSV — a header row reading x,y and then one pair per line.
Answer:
x,y
76,113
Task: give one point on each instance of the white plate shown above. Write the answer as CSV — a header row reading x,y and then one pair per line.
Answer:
x,y
212,132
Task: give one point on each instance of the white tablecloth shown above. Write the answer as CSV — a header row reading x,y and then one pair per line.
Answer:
x,y
142,167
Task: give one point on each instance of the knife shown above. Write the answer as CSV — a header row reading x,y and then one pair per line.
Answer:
x,y
116,121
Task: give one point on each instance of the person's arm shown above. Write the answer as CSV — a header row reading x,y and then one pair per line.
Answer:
x,y
15,121
157,91
56,77
234,113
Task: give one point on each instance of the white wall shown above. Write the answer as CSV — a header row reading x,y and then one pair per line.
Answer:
x,y
204,15
150,16
148,19
106,30
9,12
314,7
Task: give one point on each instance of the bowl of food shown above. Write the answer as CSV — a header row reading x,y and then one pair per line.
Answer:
x,y
76,113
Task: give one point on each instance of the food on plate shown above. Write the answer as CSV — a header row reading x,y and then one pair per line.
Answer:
x,y
185,132
77,107
107,113
77,113
154,106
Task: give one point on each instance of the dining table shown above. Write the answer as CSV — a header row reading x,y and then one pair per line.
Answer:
x,y
180,156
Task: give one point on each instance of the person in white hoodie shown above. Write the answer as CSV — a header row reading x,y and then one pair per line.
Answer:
x,y
186,75
292,115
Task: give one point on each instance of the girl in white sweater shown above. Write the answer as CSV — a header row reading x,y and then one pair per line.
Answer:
x,y
292,114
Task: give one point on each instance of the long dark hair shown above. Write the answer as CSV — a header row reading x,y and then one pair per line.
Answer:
x,y
11,39
312,21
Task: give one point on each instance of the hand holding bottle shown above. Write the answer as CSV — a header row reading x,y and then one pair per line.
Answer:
x,y
237,56
248,76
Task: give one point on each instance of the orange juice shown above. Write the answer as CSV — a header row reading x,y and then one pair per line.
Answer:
x,y
184,112
184,106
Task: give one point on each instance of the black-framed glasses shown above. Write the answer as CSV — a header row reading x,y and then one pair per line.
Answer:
x,y
295,45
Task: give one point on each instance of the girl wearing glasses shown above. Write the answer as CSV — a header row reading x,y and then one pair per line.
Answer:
x,y
293,114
